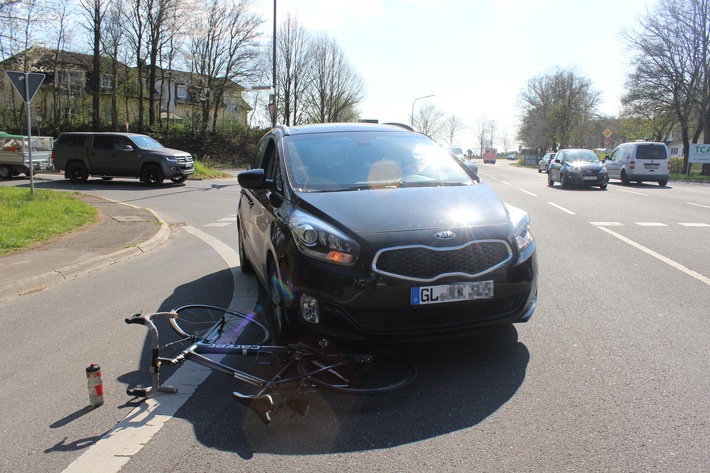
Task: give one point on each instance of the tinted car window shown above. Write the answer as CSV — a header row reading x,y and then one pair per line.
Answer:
x,y
72,140
654,151
333,161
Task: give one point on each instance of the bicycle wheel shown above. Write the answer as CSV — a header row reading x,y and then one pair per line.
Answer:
x,y
210,324
357,374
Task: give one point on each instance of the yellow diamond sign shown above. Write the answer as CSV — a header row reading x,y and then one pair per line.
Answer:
x,y
607,133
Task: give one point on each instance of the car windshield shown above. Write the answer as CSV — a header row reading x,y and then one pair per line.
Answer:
x,y
369,160
581,155
146,142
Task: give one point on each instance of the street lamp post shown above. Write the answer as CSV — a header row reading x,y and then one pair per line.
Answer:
x,y
415,100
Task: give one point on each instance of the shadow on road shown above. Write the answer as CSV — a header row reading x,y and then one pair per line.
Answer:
x,y
461,382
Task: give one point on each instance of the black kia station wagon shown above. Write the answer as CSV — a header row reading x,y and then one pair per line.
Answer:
x,y
375,232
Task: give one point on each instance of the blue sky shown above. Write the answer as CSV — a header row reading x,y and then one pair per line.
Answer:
x,y
475,56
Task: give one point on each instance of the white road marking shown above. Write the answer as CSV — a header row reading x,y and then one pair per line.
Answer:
x,y
607,224
561,208
698,205
695,224
631,192
217,224
651,224
129,436
506,183
659,257
527,192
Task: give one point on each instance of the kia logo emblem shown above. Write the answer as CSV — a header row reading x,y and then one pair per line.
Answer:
x,y
447,235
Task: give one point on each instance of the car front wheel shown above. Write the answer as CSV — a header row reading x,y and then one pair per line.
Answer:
x,y
152,175
76,172
280,324
550,182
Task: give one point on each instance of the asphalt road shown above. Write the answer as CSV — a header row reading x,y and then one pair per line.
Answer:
x,y
610,374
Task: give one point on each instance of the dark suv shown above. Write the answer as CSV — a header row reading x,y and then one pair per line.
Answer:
x,y
109,155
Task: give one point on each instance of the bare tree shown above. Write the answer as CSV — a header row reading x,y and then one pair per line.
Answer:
x,y
293,43
453,125
429,120
222,50
112,42
557,110
672,65
485,130
334,88
94,11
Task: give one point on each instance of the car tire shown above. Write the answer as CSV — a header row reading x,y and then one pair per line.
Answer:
x,y
550,182
662,183
624,178
76,172
5,172
602,187
563,181
281,327
539,170
152,175
178,179
244,263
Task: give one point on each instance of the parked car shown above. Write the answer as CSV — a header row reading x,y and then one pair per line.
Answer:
x,y
369,231
456,151
577,167
512,157
544,162
109,155
638,162
473,166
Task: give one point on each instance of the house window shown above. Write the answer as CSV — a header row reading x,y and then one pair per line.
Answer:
x,y
71,80
106,82
182,92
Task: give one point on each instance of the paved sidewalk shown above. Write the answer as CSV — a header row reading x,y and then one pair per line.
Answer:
x,y
121,231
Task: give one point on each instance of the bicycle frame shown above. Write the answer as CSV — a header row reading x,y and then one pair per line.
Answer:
x,y
262,403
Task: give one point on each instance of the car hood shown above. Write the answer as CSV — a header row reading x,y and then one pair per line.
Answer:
x,y
411,209
585,165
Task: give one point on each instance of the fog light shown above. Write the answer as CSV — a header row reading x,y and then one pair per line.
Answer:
x,y
309,309
173,168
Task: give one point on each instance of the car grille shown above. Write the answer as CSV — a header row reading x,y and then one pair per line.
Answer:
x,y
434,316
425,264
184,159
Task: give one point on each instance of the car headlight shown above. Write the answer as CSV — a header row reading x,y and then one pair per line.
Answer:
x,y
521,226
602,170
573,170
322,241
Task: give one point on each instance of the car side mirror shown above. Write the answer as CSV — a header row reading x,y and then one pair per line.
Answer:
x,y
254,179
128,148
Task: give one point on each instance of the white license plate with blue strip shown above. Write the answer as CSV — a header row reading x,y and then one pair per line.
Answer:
x,y
452,292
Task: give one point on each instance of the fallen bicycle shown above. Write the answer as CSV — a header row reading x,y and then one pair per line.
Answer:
x,y
206,330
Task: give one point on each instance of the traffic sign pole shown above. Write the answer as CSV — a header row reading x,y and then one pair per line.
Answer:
x,y
29,135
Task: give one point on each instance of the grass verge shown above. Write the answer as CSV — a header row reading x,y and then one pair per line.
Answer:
x,y
26,219
204,171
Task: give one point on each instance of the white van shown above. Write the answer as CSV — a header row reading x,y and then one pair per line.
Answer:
x,y
639,161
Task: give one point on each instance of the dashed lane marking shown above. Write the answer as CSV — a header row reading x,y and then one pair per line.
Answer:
x,y
561,208
658,256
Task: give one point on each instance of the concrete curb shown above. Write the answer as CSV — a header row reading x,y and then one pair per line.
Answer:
x,y
42,281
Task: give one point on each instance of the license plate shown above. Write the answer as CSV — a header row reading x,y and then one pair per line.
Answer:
x,y
452,292
589,178
651,166
188,166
